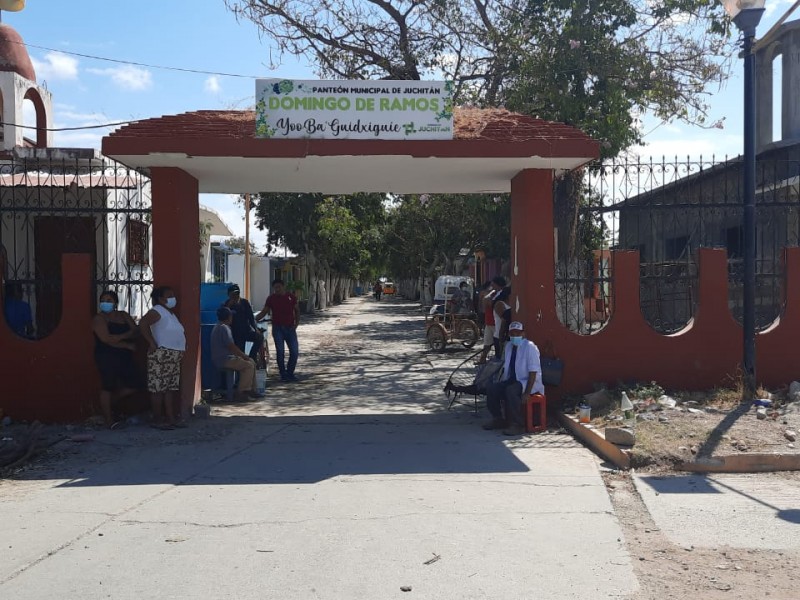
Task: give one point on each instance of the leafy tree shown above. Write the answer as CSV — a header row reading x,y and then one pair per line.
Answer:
x,y
426,233
341,232
595,64
586,62
237,243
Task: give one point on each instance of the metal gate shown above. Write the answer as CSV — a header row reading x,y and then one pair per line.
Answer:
x,y
667,210
85,205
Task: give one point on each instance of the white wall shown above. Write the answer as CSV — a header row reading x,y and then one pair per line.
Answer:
x,y
260,277
236,270
260,280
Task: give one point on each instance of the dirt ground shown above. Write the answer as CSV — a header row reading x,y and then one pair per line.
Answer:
x,y
703,424
666,570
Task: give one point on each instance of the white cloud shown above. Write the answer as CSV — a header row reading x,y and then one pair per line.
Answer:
x,y
719,146
56,66
773,6
90,138
128,77
212,85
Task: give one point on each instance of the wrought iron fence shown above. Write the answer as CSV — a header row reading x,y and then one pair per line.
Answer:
x,y
81,205
667,210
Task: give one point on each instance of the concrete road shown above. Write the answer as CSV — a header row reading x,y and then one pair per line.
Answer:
x,y
355,483
757,510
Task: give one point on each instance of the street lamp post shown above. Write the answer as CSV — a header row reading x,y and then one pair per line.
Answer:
x,y
746,14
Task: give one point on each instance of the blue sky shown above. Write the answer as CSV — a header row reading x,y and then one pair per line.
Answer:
x,y
203,35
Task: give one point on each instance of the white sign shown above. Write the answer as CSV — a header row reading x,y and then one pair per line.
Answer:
x,y
341,110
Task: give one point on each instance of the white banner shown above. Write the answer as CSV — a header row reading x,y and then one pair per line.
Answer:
x,y
340,110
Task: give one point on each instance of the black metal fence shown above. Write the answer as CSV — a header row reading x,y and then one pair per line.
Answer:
x,y
667,210
83,204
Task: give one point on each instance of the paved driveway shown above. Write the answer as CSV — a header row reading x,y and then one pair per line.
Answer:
x,y
355,483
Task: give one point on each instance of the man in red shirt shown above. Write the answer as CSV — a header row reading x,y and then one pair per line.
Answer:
x,y
285,318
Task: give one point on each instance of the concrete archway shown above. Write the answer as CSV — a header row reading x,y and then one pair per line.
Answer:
x,y
217,152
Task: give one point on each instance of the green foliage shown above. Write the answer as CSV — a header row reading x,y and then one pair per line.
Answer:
x,y
596,64
599,64
642,391
426,232
343,231
298,288
237,243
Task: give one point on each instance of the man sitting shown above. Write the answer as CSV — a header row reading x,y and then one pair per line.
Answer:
x,y
226,355
460,301
244,326
522,377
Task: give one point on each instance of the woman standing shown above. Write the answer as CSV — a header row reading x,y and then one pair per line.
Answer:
x,y
114,331
167,344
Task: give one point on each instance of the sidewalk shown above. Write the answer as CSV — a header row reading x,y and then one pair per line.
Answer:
x,y
355,483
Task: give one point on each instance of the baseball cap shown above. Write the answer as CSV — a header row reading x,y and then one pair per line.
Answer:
x,y
516,326
233,289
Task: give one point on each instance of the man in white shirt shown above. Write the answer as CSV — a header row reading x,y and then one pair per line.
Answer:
x,y
522,377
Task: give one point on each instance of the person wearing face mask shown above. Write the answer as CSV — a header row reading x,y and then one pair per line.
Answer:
x,y
166,340
114,334
522,377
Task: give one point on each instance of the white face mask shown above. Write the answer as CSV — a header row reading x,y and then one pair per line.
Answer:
x,y
172,302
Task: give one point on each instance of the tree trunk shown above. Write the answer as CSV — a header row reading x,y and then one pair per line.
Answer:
x,y
566,202
311,277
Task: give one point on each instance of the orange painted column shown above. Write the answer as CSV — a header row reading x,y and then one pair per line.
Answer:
x,y
532,250
54,379
176,248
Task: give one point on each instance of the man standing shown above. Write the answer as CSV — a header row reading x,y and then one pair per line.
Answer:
x,y
502,311
486,297
244,326
285,318
225,354
522,377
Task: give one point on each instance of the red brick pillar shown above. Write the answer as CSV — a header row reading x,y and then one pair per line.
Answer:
x,y
176,252
532,251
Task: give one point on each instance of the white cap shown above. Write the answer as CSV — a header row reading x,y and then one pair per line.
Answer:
x,y
516,326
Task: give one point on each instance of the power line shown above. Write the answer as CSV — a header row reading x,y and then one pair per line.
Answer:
x,y
139,64
77,128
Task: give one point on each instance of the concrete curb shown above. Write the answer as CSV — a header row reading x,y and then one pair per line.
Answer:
x,y
739,463
743,463
595,439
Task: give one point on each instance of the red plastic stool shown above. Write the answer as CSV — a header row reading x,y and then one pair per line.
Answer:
x,y
534,401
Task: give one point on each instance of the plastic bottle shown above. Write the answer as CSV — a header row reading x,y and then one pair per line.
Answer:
x,y
627,409
261,380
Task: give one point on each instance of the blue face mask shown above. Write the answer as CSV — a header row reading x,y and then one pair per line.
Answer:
x,y
172,302
106,307
516,339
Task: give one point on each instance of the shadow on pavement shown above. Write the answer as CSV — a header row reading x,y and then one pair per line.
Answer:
x,y
699,484
247,450
681,484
